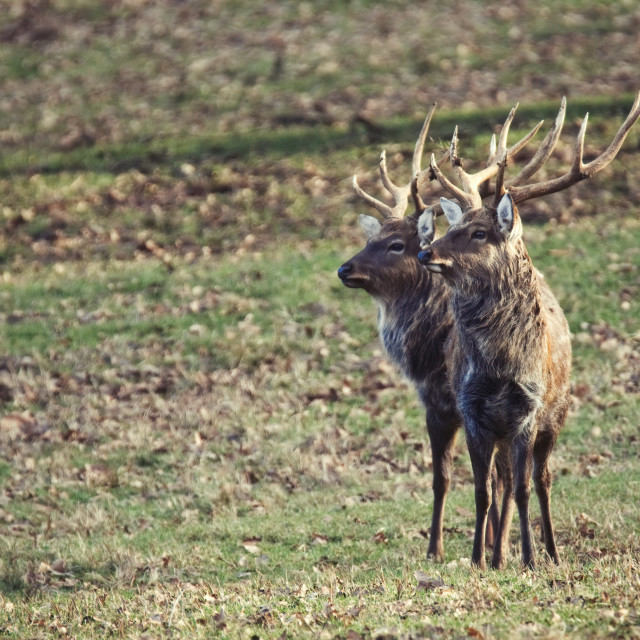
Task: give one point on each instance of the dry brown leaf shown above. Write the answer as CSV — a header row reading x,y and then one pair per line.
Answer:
x,y
251,545
319,539
427,582
380,538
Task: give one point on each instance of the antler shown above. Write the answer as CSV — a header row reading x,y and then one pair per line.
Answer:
x,y
400,194
474,186
578,171
544,151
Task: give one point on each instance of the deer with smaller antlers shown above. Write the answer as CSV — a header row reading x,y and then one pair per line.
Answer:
x,y
509,354
414,318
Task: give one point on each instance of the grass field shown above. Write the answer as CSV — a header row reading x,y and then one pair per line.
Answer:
x,y
199,433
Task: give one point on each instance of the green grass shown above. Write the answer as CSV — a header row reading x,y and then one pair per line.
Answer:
x,y
282,511
229,512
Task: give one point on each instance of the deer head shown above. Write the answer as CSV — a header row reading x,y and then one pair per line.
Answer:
x,y
477,242
386,267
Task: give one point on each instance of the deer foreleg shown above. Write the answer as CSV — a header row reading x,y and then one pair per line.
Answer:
x,y
442,434
542,482
481,453
493,521
501,544
522,457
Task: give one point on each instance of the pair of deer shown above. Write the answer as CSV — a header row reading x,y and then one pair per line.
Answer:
x,y
478,331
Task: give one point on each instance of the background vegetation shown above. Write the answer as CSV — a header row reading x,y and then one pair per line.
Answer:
x,y
199,434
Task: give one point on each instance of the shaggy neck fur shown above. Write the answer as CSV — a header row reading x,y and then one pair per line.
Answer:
x,y
499,317
413,328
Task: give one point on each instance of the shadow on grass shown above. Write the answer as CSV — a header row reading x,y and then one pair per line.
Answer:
x,y
149,154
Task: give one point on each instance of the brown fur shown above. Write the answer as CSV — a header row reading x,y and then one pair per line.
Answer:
x,y
510,359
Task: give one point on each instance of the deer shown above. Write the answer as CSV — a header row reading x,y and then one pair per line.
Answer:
x,y
414,316
509,352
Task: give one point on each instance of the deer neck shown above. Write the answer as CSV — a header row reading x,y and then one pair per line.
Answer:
x,y
413,326
500,320
405,299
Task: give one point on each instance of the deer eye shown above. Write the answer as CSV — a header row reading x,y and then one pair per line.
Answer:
x,y
397,247
479,235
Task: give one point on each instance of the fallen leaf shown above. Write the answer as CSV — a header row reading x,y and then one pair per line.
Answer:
x,y
319,539
251,545
59,566
380,538
219,620
427,582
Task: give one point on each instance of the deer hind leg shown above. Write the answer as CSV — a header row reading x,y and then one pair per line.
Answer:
x,y
481,454
442,434
493,521
542,481
501,545
522,463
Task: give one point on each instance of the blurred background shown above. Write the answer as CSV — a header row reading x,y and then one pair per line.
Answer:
x,y
225,92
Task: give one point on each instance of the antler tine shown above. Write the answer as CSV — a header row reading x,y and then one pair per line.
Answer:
x,y
420,206
492,149
502,140
384,209
417,152
485,187
544,151
399,194
500,190
580,171
462,196
611,151
578,150
453,148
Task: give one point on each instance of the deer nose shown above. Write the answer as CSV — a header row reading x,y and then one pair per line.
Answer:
x,y
425,256
344,271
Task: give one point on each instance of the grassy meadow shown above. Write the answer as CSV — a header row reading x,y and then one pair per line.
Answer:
x,y
200,435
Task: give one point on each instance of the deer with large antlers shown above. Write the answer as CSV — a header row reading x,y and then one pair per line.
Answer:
x,y
414,319
510,351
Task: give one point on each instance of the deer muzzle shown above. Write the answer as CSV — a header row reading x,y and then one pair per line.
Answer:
x,y
430,260
350,277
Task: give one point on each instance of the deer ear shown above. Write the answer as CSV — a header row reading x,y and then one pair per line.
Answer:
x,y
369,225
426,227
452,211
507,217
504,214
